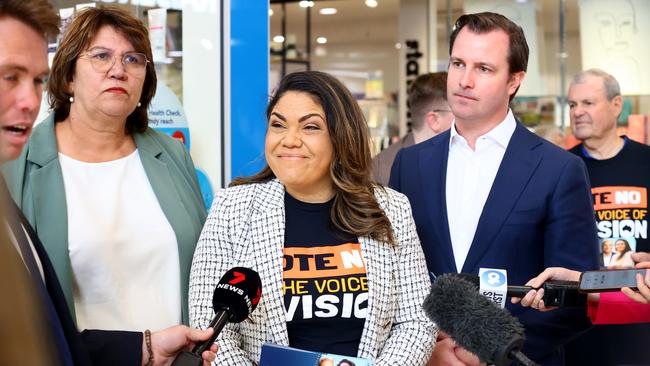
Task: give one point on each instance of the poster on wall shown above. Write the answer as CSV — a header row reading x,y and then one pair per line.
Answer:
x,y
524,15
157,33
166,114
612,39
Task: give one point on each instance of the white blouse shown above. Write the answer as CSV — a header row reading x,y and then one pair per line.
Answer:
x,y
123,251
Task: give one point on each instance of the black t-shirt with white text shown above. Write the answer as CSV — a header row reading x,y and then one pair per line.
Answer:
x,y
324,281
619,187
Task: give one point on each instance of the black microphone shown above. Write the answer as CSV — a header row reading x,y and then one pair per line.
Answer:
x,y
235,297
556,293
474,322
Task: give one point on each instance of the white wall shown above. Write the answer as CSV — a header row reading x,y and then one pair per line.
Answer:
x,y
202,83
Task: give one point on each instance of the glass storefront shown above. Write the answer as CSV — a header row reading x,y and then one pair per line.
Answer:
x,y
366,40
375,47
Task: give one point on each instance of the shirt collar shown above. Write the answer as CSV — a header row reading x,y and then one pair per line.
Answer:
x,y
586,154
501,133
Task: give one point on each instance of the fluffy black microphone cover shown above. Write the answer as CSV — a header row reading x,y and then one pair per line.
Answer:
x,y
474,322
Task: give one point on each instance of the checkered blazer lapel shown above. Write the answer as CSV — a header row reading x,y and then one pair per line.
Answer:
x,y
379,273
267,235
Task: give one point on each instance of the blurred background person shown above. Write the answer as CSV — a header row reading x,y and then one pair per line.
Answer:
x,y
614,164
21,315
607,253
552,133
326,362
345,362
430,115
25,26
623,256
116,204
360,290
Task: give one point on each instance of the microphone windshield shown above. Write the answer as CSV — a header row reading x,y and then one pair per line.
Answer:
x,y
238,291
474,322
473,279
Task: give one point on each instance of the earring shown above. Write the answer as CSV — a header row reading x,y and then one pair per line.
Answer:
x,y
71,99
139,104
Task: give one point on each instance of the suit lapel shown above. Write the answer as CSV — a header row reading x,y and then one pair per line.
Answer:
x,y
379,272
51,299
433,173
49,209
518,164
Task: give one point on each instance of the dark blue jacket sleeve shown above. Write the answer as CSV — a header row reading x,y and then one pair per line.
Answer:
x,y
113,347
570,241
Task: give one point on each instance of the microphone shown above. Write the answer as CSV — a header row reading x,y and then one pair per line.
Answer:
x,y
235,297
474,322
556,293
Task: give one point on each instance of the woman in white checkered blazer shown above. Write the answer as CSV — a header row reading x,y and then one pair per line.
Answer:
x,y
317,151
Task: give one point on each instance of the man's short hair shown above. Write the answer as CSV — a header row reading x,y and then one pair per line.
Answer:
x,y
425,91
487,22
37,14
612,88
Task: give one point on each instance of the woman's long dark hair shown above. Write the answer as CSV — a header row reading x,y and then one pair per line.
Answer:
x,y
355,209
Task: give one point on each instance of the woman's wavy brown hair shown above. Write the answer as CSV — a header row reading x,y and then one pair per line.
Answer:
x,y
78,36
355,209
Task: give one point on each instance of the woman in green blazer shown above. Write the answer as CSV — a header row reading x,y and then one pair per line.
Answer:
x,y
116,204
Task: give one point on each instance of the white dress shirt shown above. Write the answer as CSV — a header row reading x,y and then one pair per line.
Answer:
x,y
470,175
123,251
608,258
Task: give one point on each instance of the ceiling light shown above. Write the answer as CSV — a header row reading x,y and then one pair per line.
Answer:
x,y
278,39
371,3
328,11
270,12
321,40
306,4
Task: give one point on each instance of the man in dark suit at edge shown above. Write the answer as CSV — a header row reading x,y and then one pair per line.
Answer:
x,y
490,194
25,26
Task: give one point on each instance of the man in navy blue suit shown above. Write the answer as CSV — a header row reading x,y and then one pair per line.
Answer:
x,y
25,26
490,194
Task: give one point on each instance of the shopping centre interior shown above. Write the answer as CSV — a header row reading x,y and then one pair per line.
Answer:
x,y
220,60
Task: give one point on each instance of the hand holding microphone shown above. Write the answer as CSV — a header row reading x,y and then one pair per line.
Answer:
x,y
556,291
534,298
167,343
635,283
235,297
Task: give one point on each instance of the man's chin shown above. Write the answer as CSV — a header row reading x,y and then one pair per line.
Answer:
x,y
581,136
